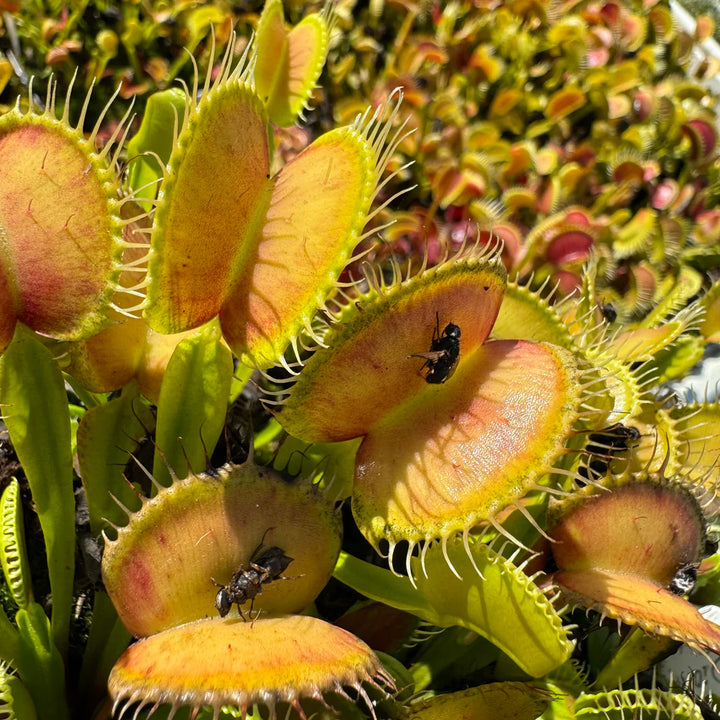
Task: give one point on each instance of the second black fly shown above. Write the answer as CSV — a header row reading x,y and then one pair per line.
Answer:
x,y
265,566
443,355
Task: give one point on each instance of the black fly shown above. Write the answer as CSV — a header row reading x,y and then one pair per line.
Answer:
x,y
443,355
604,445
608,312
247,583
684,580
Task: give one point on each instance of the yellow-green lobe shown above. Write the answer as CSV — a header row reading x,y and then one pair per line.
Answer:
x,y
495,701
695,427
59,230
317,210
288,63
213,200
368,372
460,452
230,662
160,570
642,704
272,65
524,315
642,344
495,599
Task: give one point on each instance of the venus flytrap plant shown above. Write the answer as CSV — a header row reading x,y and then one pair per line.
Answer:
x,y
187,366
256,235
130,348
627,387
229,249
71,220
265,246
639,537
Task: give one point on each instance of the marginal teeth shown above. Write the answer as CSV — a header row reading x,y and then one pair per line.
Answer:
x,y
246,664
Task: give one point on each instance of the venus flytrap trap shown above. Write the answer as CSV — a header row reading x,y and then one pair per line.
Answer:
x,y
289,62
272,266
60,207
438,485
662,532
210,525
493,599
15,701
28,645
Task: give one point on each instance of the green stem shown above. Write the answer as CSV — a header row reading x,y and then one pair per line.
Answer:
x,y
88,399
108,638
40,665
378,584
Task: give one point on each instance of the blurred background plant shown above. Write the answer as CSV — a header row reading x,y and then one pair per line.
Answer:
x,y
564,128
705,7
141,45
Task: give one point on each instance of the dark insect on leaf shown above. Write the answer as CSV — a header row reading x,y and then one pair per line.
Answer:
x,y
684,580
606,444
245,584
443,354
608,312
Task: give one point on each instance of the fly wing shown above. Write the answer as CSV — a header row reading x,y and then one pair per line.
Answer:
x,y
433,356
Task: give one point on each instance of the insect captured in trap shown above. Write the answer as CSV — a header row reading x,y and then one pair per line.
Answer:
x,y
684,580
605,445
443,355
265,567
